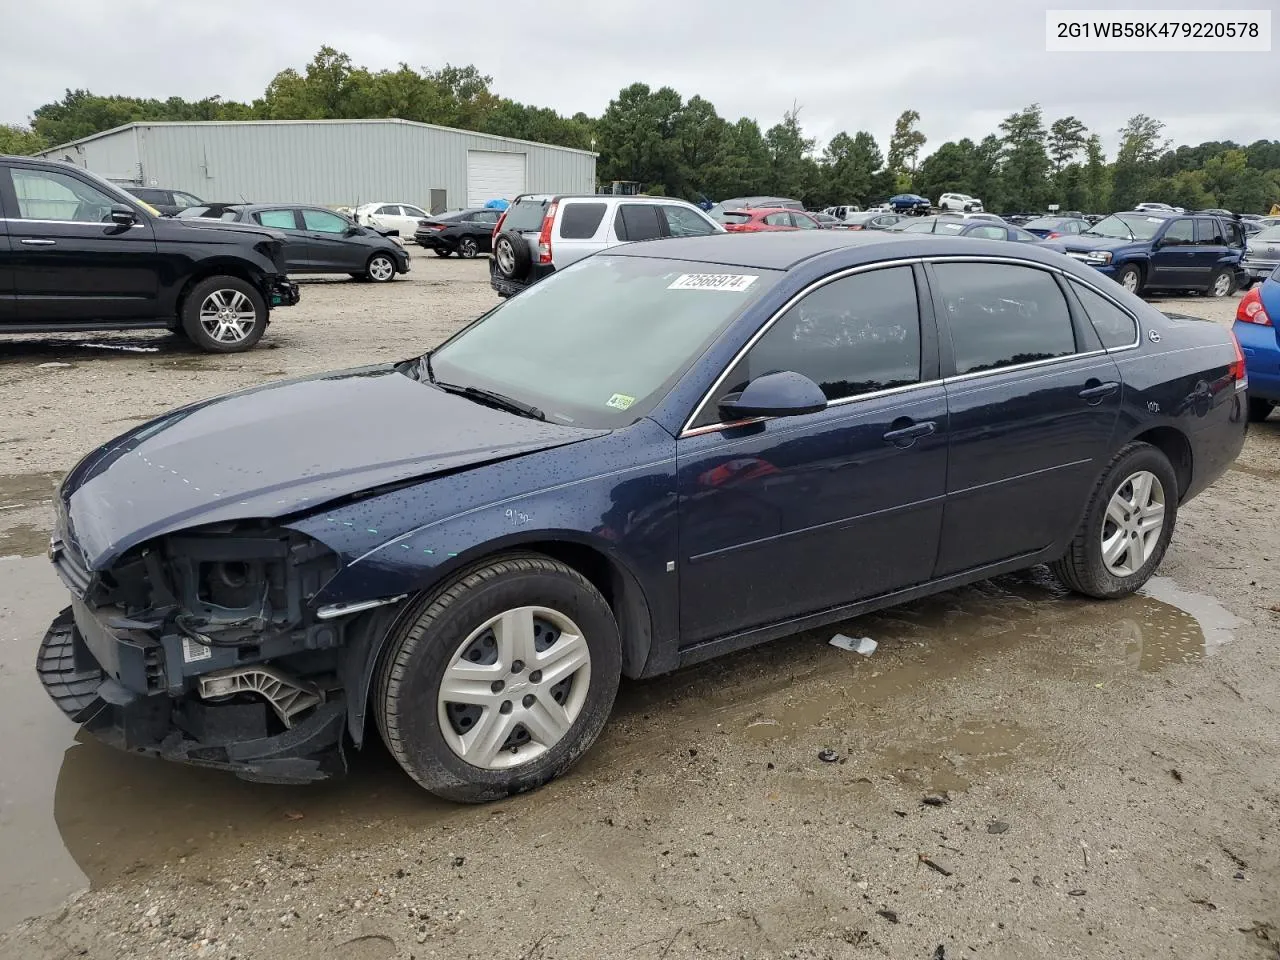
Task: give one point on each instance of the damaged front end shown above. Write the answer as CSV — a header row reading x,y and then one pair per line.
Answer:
x,y
204,647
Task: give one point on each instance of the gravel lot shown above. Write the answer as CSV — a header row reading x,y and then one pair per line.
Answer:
x,y
1103,778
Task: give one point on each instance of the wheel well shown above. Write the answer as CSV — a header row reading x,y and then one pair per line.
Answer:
x,y
620,590
1174,445
220,268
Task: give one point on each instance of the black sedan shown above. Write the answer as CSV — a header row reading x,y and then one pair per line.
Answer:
x,y
464,232
980,229
668,452
318,240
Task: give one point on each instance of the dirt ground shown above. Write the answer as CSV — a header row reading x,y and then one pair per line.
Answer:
x,y
1019,774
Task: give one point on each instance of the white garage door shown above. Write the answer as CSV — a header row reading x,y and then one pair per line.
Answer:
x,y
493,176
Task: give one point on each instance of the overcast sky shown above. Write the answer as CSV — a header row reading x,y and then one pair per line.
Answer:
x,y
850,65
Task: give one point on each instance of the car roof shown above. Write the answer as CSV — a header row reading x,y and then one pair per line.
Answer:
x,y
765,210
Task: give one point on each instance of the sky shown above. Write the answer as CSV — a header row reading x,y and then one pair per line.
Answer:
x,y
851,65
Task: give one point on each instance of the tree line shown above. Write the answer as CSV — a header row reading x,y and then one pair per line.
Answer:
x,y
684,148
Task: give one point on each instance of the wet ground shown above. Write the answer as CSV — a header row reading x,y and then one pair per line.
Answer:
x,y
1102,776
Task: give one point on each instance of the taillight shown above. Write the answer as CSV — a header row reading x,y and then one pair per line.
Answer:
x,y
544,236
1236,371
1251,309
1053,236
439,226
498,229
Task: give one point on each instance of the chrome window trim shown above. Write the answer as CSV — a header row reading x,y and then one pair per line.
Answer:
x,y
1029,365
1137,325
63,223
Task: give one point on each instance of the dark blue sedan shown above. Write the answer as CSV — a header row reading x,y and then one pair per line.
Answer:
x,y
660,454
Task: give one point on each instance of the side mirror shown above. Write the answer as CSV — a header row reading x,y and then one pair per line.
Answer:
x,y
123,214
353,231
783,394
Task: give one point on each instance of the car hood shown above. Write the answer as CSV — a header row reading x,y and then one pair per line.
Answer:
x,y
243,229
1083,243
283,449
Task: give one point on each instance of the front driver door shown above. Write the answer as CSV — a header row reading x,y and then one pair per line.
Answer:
x,y
791,515
1174,261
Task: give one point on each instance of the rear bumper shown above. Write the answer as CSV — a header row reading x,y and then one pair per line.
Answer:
x,y
233,735
509,288
433,241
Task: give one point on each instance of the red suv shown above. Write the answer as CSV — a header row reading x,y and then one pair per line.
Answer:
x,y
767,219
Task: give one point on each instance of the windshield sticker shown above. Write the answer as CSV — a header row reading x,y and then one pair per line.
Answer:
x,y
736,282
620,401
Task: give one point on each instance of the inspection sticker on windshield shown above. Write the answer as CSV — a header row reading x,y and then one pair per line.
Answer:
x,y
736,282
620,401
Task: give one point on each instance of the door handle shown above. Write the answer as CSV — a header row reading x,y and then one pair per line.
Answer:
x,y
39,243
906,435
1095,393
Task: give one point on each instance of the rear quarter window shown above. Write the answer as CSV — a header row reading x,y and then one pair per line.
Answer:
x,y
579,221
1115,328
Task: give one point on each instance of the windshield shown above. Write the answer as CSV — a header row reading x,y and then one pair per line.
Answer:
x,y
1131,227
599,344
949,226
526,215
1043,223
920,226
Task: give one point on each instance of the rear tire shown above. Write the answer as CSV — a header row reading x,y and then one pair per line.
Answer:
x,y
1130,277
224,315
511,256
1223,284
1141,535
1260,409
468,749
468,248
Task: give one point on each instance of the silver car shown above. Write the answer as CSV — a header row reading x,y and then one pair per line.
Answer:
x,y
1262,253
542,233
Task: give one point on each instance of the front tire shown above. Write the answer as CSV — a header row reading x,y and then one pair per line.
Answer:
x,y
502,681
1126,528
380,268
1130,277
1259,409
224,315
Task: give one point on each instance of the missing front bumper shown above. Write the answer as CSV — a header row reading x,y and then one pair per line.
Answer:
x,y
232,735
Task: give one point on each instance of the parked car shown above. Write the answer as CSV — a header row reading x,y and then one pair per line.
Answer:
x,y
826,220
542,233
318,240
167,202
1262,253
872,220
80,254
960,203
843,211
1155,208
391,219
768,219
1162,251
464,232
1021,219
1255,330
744,203
1250,216
1050,228
1217,212
555,498
953,225
910,203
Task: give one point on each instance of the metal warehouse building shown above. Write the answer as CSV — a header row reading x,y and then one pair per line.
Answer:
x,y
331,162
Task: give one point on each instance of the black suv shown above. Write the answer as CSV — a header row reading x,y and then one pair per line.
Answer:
x,y
77,253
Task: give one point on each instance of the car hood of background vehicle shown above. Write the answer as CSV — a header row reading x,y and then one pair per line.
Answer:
x,y
227,226
1082,242
282,449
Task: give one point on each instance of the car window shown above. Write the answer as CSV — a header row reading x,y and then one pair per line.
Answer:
x,y
778,219
280,219
489,217
50,195
803,222
1235,233
1022,236
148,195
185,200
1180,232
579,221
322,221
637,221
683,222
987,233
1001,314
389,210
1127,227
732,216
1115,327
414,211
526,215
1209,231
852,336
923,226
952,227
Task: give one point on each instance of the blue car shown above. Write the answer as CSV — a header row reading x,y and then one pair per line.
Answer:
x,y
1157,250
1255,331
910,203
666,452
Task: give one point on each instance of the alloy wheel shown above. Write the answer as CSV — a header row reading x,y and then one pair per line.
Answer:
x,y
1134,522
467,247
514,687
381,269
1130,282
506,257
1222,285
228,316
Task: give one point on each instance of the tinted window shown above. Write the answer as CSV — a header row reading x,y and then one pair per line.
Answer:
x,y
1115,327
1235,233
488,217
852,336
414,211
1022,236
637,221
778,220
683,222
323,222
49,195
525,215
1209,231
388,211
803,222
281,219
1180,232
581,220
1001,314
730,216
923,226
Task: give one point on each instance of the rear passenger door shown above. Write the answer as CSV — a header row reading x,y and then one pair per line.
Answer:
x,y
635,222
1032,399
1211,247
285,219
581,231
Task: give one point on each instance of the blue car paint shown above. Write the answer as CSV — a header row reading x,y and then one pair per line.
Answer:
x,y
1260,347
719,539
1162,268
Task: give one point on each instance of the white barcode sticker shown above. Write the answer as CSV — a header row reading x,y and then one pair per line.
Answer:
x,y
736,282
193,652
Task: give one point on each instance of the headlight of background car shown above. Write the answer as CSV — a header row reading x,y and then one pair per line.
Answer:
x,y
1097,258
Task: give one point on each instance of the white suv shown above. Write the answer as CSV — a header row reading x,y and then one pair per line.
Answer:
x,y
542,233
959,203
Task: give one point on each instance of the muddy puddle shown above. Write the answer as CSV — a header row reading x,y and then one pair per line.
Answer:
x,y
75,814
19,490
